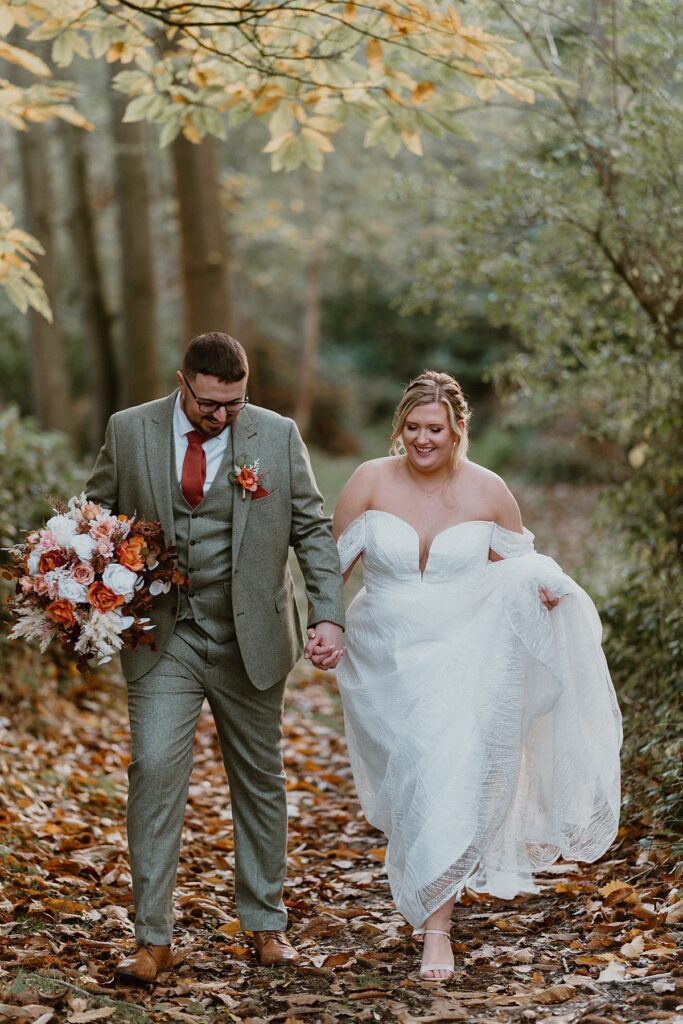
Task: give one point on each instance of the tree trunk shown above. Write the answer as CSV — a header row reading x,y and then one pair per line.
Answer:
x,y
310,347
204,241
97,322
140,361
48,362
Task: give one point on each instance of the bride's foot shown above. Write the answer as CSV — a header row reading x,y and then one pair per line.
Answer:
x,y
437,957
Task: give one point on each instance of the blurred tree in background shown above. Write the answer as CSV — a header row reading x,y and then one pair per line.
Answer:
x,y
572,229
537,247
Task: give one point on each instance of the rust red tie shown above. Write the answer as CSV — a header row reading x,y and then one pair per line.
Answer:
x,y
194,468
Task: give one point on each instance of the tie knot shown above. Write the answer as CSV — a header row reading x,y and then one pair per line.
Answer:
x,y
195,438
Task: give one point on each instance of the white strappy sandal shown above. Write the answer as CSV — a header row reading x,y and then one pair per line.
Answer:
x,y
428,968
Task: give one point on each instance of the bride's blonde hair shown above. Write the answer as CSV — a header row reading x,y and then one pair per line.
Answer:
x,y
432,386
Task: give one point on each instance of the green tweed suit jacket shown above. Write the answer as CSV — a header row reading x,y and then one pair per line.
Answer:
x,y
132,476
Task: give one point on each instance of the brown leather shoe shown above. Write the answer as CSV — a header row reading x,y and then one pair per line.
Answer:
x,y
144,964
274,949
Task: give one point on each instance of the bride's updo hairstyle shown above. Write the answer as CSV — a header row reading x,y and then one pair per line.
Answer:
x,y
429,387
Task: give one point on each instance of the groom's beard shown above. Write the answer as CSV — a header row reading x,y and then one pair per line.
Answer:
x,y
208,425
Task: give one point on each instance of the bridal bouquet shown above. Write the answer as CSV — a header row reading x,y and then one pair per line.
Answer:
x,y
87,578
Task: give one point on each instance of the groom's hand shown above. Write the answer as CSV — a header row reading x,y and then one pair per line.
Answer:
x,y
325,645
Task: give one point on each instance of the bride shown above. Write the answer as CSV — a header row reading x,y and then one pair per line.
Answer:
x,y
482,724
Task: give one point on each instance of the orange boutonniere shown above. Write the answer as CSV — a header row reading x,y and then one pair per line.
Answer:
x,y
247,474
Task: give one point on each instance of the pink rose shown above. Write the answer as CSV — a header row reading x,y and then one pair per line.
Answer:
x,y
104,547
40,586
83,573
90,510
104,527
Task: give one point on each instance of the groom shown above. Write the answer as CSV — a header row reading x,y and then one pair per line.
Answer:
x,y
231,637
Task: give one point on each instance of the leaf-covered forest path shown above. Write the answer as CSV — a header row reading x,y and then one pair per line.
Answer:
x,y
597,945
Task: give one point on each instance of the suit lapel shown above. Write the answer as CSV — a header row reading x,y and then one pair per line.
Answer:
x,y
245,441
158,453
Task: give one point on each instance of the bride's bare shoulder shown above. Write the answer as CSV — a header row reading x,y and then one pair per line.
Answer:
x,y
492,494
359,491
482,477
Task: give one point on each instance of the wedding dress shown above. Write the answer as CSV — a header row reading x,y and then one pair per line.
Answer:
x,y
483,729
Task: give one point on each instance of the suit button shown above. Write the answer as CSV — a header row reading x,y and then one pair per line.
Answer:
x,y
191,570
192,542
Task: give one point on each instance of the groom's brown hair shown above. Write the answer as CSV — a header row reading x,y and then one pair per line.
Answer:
x,y
216,355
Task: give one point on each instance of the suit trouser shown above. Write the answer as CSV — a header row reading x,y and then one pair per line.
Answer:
x,y
164,707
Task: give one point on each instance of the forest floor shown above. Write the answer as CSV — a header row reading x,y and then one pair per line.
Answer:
x,y
596,945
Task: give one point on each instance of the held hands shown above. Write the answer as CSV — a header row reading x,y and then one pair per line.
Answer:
x,y
548,599
325,646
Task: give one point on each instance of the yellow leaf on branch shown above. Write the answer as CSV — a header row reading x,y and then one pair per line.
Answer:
x,y
413,142
278,142
23,59
422,92
373,52
318,139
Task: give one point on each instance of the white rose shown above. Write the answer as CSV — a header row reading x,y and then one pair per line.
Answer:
x,y
84,546
159,587
119,579
72,591
62,529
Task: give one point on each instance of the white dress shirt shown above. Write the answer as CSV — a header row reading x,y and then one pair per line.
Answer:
x,y
213,449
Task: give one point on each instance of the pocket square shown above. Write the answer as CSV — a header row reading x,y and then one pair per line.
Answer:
x,y
260,492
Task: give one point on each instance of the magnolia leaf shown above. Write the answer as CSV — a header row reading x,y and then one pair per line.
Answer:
x,y
373,52
23,59
6,20
63,50
412,142
139,108
269,102
281,119
376,131
520,92
170,131
485,89
191,132
73,116
324,124
317,139
422,92
278,142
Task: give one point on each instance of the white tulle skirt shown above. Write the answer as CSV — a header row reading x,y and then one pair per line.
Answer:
x,y
483,730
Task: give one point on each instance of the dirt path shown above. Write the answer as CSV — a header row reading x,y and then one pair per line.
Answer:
x,y
596,945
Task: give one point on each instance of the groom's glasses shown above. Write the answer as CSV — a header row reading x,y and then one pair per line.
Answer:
x,y
209,406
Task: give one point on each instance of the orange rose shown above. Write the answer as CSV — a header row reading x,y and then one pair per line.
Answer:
x,y
50,560
247,479
102,598
62,612
129,553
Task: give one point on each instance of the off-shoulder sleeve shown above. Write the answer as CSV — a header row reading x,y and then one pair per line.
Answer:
x,y
351,542
509,544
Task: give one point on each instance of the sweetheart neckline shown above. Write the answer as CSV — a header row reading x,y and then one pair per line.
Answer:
x,y
446,529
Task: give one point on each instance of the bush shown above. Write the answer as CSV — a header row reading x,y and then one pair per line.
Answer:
x,y
36,468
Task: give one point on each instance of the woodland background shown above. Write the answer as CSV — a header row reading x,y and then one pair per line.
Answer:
x,y
533,249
